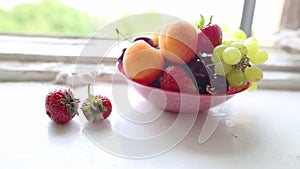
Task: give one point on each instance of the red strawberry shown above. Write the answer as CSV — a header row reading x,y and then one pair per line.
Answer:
x,y
211,32
204,44
96,108
175,78
61,106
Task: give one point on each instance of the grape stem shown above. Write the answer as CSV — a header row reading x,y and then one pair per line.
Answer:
x,y
243,64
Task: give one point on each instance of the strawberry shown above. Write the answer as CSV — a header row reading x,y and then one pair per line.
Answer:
x,y
209,36
61,106
96,108
175,78
204,44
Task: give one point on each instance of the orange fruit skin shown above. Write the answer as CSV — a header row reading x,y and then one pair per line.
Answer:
x,y
142,63
155,38
178,42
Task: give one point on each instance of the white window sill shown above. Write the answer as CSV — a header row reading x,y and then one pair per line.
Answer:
x,y
50,48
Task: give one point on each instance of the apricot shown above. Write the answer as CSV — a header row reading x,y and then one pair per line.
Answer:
x,y
142,63
178,42
155,38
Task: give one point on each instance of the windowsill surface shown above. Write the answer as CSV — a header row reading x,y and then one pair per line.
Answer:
x,y
251,135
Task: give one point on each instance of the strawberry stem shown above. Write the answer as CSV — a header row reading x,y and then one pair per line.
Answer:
x,y
102,107
210,20
119,33
70,102
91,98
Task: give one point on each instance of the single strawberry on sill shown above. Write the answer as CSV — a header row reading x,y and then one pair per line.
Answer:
x,y
96,108
61,105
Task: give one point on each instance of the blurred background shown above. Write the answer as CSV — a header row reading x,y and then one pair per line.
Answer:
x,y
46,35
84,17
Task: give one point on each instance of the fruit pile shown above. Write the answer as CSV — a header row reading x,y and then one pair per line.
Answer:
x,y
194,59
181,58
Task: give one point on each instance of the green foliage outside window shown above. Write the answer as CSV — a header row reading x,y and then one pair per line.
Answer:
x,y
49,17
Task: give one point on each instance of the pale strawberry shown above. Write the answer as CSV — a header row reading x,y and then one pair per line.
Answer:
x,y
96,108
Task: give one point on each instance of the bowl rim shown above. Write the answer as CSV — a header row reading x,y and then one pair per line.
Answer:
x,y
117,65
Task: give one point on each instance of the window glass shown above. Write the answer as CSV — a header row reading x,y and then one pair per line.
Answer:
x,y
84,17
79,17
47,17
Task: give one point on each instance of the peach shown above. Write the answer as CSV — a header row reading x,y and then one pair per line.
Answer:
x,y
142,63
178,42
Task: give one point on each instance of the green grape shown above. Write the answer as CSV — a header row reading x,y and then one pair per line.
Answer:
x,y
227,42
222,68
260,57
218,53
251,39
253,86
236,78
239,40
243,49
231,55
252,48
253,74
239,34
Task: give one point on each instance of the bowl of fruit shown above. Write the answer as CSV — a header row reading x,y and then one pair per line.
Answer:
x,y
187,68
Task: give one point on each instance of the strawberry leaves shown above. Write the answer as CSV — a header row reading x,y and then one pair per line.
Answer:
x,y
201,22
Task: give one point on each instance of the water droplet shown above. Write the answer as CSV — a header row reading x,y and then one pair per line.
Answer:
x,y
235,138
229,122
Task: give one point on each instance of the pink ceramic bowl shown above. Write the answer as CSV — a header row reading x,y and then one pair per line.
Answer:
x,y
179,102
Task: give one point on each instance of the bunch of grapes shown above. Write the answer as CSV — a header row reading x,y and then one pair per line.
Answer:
x,y
238,61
